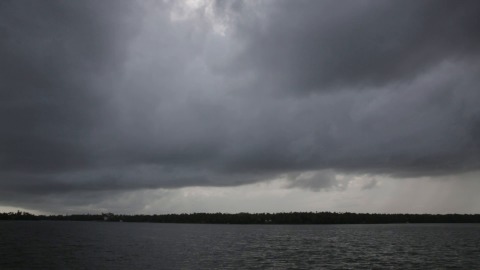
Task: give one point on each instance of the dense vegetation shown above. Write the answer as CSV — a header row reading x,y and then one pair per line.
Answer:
x,y
258,218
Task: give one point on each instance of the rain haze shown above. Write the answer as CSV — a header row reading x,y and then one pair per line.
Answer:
x,y
240,106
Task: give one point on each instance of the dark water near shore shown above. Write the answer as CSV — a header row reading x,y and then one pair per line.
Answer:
x,y
102,245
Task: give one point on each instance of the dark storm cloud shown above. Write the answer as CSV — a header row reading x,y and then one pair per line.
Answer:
x,y
416,64
113,96
53,54
319,45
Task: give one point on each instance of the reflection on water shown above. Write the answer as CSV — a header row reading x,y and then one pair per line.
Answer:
x,y
99,245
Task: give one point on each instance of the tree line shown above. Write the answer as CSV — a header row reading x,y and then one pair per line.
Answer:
x,y
257,218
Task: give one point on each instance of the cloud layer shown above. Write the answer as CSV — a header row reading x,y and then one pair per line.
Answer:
x,y
115,96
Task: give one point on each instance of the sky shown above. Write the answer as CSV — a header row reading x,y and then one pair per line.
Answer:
x,y
161,106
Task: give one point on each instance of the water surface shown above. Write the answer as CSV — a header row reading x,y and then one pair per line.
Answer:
x,y
104,245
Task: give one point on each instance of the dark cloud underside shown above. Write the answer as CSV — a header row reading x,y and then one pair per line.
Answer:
x,y
324,45
101,96
53,55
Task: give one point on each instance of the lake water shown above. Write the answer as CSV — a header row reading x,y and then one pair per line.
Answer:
x,y
103,245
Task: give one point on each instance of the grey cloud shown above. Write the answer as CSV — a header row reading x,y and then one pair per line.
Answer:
x,y
328,180
316,181
304,46
115,96
53,55
422,127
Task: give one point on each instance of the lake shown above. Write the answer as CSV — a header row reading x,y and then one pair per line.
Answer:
x,y
104,245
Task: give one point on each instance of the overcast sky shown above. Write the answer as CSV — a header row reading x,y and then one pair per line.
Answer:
x,y
207,106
